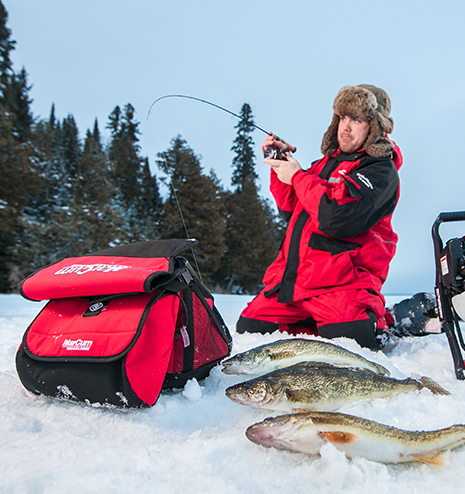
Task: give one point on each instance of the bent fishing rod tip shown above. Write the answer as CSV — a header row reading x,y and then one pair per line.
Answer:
x,y
292,149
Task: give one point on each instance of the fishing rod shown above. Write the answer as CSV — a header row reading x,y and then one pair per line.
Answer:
x,y
268,153
291,148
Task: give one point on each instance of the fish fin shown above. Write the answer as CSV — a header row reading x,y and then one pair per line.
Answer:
x,y
435,458
433,386
338,437
281,355
297,395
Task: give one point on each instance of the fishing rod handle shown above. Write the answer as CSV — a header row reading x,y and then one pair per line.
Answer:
x,y
292,148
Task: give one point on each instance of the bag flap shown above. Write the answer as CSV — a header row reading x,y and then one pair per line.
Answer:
x,y
151,248
126,269
77,329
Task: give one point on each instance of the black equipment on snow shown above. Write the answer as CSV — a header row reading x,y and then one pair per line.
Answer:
x,y
450,287
415,316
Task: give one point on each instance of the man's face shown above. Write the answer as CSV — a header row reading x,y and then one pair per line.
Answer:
x,y
352,133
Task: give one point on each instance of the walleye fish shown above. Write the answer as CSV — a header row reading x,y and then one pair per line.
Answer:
x,y
322,387
308,432
282,353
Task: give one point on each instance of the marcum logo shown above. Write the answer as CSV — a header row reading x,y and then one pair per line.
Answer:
x,y
91,268
77,345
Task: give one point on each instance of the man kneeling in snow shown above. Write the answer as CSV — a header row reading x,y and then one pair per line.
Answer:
x,y
335,257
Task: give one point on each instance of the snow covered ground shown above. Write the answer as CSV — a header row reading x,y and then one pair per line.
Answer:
x,y
193,440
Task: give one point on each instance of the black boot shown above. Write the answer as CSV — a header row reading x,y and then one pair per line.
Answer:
x,y
416,316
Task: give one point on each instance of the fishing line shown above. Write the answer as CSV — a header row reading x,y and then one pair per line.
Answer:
x,y
289,146
202,101
178,205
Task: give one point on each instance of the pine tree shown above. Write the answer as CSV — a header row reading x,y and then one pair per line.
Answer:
x,y
6,46
137,194
18,106
244,159
95,222
73,214
249,240
43,225
250,229
46,135
124,152
150,203
71,149
14,192
14,90
194,206
16,166
58,149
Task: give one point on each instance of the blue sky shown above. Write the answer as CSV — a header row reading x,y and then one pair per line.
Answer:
x,y
287,60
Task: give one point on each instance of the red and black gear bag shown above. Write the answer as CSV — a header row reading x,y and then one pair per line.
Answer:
x,y
120,325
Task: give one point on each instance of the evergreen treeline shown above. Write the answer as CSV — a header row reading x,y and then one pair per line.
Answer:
x,y
63,196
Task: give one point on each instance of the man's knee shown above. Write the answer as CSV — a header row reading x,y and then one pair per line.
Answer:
x,y
362,331
248,325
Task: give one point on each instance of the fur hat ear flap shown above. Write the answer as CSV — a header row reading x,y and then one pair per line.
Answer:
x,y
377,144
329,144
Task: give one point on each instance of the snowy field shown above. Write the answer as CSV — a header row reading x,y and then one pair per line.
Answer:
x,y
193,440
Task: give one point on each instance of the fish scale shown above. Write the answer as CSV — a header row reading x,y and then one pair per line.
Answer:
x,y
307,432
282,353
308,386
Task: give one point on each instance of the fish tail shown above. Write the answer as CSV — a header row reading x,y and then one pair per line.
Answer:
x,y
435,458
433,386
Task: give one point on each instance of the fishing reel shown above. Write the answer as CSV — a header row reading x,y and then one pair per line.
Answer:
x,y
275,154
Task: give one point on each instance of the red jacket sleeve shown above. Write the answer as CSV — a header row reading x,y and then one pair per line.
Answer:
x,y
284,195
353,203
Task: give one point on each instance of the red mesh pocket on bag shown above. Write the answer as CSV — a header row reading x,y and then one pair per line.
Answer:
x,y
208,344
177,357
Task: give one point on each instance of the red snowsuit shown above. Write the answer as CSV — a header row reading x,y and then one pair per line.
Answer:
x,y
338,246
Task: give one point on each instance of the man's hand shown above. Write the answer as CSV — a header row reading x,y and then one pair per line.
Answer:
x,y
284,169
272,143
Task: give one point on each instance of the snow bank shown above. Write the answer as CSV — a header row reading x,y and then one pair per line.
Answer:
x,y
193,440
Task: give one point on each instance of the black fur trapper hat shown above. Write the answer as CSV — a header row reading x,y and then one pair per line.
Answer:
x,y
365,102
